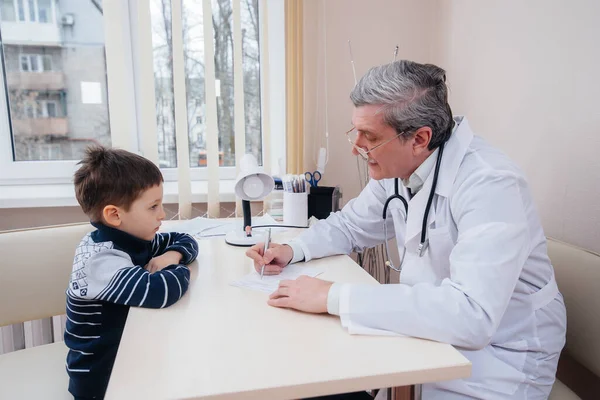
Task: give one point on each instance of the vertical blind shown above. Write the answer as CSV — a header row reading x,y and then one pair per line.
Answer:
x,y
141,35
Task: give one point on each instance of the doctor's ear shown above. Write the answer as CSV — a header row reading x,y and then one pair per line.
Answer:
x,y
111,215
422,139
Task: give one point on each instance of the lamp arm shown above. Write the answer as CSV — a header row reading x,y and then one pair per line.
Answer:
x,y
247,216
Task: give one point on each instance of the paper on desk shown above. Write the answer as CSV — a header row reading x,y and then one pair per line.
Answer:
x,y
202,228
270,283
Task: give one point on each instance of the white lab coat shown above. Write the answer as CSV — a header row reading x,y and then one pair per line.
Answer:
x,y
485,283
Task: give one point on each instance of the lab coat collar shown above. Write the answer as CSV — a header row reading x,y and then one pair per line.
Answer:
x,y
454,152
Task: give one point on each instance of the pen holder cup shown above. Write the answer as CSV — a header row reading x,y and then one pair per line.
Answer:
x,y
295,209
322,201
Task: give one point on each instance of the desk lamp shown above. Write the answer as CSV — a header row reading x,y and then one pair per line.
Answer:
x,y
251,184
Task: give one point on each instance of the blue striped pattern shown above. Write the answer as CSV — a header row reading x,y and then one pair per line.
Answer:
x,y
104,284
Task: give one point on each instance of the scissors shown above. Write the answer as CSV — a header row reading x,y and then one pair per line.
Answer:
x,y
313,178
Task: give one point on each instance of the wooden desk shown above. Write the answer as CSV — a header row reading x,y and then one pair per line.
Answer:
x,y
224,342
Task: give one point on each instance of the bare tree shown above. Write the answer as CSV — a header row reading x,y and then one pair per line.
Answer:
x,y
194,75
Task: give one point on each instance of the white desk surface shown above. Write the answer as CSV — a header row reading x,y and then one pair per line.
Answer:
x,y
225,342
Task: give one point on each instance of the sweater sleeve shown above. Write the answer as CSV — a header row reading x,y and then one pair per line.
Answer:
x,y
173,241
111,276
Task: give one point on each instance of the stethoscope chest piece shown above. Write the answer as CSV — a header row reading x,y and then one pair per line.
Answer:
x,y
422,247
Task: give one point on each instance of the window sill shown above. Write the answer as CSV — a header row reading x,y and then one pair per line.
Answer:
x,y
63,195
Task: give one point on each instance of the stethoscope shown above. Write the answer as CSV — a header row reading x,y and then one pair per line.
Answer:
x,y
424,243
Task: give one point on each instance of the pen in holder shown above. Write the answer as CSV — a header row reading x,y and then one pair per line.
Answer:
x,y
295,208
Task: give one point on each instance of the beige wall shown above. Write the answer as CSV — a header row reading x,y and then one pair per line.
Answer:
x,y
526,74
374,27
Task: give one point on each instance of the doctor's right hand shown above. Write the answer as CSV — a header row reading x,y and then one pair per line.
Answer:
x,y
274,259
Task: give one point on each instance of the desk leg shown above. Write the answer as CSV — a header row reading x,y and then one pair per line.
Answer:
x,y
405,393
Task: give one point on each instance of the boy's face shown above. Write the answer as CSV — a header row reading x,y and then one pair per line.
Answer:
x,y
143,218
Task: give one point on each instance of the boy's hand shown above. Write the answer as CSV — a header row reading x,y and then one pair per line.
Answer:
x,y
163,261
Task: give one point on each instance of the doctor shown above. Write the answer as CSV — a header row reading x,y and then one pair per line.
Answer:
x,y
474,267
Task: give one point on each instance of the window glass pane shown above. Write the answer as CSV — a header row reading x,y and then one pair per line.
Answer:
x,y
251,66
223,26
45,11
33,61
51,110
163,82
32,10
43,16
47,63
193,41
21,8
70,116
7,9
25,63
29,110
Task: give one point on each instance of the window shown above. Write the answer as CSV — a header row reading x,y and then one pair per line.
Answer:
x,y
47,62
25,64
32,17
193,38
21,8
7,10
51,109
44,11
35,63
30,110
35,10
54,99
47,103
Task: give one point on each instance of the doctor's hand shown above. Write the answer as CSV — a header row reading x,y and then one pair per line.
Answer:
x,y
304,294
274,259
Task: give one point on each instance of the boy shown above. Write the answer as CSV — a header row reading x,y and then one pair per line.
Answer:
x,y
123,263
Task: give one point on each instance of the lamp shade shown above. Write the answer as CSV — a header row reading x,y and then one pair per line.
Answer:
x,y
251,183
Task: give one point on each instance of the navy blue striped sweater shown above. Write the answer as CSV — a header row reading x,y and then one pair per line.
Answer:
x,y
107,278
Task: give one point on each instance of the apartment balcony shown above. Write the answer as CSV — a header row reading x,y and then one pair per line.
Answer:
x,y
41,127
31,33
40,81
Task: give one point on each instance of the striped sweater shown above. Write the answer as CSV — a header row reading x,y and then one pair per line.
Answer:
x,y
107,278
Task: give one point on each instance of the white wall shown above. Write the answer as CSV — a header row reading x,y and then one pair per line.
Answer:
x,y
527,75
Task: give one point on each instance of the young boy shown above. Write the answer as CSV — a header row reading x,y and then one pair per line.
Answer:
x,y
123,263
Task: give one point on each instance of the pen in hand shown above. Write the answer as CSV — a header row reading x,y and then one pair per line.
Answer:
x,y
267,242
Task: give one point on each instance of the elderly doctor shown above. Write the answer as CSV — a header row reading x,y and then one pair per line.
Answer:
x,y
474,266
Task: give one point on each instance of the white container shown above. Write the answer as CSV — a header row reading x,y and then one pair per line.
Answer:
x,y
295,209
274,205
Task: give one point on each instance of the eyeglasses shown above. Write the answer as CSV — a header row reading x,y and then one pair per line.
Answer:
x,y
352,135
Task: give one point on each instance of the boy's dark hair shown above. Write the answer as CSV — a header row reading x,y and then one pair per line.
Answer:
x,y
112,176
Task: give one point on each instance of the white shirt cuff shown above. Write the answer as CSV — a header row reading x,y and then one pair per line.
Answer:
x,y
333,299
298,252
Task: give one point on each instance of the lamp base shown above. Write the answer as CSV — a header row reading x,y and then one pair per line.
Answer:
x,y
239,238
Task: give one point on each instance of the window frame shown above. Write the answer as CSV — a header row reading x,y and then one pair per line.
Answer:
x,y
39,59
123,45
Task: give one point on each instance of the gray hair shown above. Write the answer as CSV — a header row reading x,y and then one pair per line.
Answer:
x,y
412,96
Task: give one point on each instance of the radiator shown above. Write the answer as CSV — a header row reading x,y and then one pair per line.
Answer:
x,y
32,333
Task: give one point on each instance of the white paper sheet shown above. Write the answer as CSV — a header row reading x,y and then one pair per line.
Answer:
x,y
270,283
203,228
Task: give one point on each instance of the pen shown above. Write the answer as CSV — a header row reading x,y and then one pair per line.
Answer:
x,y
267,242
